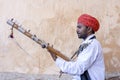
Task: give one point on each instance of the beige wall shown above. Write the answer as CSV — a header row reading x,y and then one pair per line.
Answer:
x,y
55,22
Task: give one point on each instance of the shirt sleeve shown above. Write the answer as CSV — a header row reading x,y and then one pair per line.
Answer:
x,y
85,60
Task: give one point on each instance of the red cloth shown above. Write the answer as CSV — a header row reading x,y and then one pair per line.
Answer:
x,y
89,21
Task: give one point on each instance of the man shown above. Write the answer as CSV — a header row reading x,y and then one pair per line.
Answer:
x,y
89,64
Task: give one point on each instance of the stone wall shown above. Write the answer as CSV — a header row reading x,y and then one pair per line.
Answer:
x,y
55,22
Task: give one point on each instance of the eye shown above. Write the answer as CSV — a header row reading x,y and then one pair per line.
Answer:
x,y
78,26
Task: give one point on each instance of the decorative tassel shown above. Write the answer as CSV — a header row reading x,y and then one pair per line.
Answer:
x,y
60,73
11,35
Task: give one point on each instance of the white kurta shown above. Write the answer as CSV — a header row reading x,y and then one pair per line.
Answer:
x,y
91,59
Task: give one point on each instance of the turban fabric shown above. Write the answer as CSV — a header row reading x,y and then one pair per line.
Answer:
x,y
89,21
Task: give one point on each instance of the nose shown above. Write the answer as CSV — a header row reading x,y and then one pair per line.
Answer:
x,y
77,30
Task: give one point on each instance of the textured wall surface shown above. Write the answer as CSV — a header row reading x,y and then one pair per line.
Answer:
x,y
55,22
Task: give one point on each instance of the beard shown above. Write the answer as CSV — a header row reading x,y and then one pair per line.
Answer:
x,y
82,36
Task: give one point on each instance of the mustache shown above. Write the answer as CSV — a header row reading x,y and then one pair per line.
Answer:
x,y
78,33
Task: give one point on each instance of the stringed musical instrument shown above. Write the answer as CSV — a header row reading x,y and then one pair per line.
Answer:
x,y
49,48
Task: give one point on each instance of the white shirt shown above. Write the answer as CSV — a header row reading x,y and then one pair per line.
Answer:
x,y
91,59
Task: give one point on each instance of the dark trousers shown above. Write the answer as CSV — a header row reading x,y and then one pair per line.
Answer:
x,y
85,76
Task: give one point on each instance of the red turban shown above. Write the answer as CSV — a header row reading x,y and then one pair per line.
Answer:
x,y
89,21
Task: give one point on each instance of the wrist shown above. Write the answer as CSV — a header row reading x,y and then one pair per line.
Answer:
x,y
55,58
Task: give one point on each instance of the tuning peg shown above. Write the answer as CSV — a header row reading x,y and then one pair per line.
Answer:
x,y
28,30
34,35
12,19
10,22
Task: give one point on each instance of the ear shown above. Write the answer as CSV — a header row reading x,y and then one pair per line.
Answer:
x,y
89,29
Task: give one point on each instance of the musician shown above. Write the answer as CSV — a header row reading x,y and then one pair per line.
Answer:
x,y
90,63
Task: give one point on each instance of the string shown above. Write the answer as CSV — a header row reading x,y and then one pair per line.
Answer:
x,y
11,36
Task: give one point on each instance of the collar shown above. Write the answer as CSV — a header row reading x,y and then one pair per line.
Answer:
x,y
89,38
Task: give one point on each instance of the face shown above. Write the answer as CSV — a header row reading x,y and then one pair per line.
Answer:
x,y
81,31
